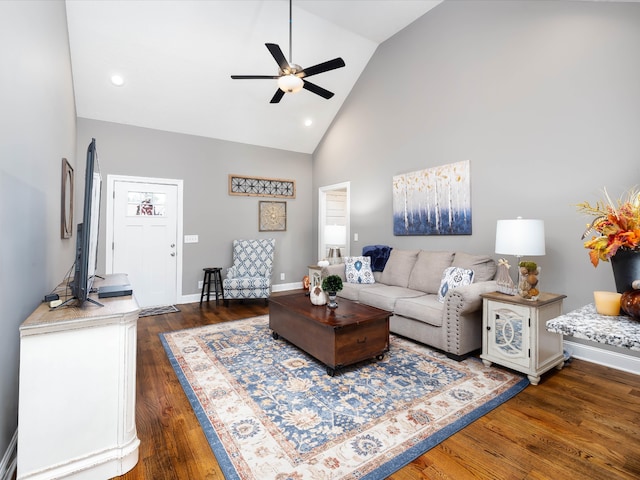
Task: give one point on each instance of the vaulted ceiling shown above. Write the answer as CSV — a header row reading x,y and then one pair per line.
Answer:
x,y
176,58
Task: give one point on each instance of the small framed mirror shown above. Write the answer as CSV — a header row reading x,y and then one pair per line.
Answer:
x,y
66,220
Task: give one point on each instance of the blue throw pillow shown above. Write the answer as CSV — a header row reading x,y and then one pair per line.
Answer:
x,y
358,270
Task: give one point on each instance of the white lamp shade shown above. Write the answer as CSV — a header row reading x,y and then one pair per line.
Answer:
x,y
520,237
290,83
335,235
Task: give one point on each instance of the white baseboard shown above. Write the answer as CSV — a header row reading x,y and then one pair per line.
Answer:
x,y
600,356
281,287
9,459
194,297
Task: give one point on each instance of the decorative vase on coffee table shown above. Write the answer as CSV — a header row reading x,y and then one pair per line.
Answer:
x,y
317,296
332,300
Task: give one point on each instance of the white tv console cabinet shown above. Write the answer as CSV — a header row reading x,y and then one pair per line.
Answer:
x,y
76,413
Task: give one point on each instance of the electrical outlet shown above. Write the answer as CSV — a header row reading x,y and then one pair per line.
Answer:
x,y
200,284
282,276
355,237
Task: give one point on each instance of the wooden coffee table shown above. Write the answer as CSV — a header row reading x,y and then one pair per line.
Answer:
x,y
337,337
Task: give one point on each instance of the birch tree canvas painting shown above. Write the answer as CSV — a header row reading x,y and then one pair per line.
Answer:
x,y
434,201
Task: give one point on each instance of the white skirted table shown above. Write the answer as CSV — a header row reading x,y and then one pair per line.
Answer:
x,y
585,323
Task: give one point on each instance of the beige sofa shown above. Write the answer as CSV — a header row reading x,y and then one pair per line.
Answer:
x,y
408,286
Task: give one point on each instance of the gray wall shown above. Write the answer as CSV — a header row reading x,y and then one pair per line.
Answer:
x,y
542,98
37,129
209,211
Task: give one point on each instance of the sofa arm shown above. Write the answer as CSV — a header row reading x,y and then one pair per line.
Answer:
x,y
466,298
462,318
336,269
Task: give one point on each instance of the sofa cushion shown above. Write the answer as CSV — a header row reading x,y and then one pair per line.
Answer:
x,y
425,308
454,277
427,271
352,290
385,296
358,270
483,266
336,269
398,268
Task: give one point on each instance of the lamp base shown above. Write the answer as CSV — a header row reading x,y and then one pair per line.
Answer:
x,y
528,277
335,256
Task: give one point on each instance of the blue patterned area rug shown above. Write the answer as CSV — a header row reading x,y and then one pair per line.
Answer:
x,y
270,411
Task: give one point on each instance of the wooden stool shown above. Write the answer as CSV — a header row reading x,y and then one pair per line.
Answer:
x,y
217,283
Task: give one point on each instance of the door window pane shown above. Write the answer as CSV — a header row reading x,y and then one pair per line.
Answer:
x,y
146,204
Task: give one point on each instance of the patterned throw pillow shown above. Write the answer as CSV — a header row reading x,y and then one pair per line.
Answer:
x,y
358,270
454,277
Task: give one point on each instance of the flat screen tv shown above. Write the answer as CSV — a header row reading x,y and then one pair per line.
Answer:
x,y
87,232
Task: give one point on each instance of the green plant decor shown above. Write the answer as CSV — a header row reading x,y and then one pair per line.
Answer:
x,y
332,283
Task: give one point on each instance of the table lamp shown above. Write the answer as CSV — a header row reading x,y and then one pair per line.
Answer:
x,y
335,236
520,237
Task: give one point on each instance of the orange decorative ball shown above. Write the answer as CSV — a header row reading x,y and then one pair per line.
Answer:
x,y
630,303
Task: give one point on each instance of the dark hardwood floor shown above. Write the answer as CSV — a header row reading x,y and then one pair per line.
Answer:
x,y
582,422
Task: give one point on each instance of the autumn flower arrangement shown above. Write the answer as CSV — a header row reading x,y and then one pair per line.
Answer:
x,y
616,223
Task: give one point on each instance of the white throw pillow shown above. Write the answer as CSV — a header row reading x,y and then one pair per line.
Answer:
x,y
358,270
454,277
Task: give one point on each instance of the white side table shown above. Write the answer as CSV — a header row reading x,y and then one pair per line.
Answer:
x,y
515,334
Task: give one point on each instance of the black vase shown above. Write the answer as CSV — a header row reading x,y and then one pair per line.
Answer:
x,y
626,268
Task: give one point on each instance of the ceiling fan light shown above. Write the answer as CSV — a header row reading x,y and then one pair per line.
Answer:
x,y
117,80
290,83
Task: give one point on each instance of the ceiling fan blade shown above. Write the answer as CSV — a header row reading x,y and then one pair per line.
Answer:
x,y
254,77
277,97
278,56
322,67
312,87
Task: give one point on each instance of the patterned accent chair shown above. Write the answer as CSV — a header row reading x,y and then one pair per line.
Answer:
x,y
250,274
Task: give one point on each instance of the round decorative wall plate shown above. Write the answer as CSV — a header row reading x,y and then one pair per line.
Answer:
x,y
272,216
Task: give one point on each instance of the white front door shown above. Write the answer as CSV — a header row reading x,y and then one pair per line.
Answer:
x,y
145,238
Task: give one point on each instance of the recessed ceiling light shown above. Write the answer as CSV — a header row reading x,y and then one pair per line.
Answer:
x,y
308,122
117,80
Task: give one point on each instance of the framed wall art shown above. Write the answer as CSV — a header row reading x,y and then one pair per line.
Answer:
x,y
261,187
434,201
66,205
272,216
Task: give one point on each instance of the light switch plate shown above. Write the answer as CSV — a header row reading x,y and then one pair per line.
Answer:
x,y
191,239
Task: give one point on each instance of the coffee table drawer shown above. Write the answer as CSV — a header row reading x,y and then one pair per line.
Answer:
x,y
354,343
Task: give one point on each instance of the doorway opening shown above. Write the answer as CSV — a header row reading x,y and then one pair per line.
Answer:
x,y
334,221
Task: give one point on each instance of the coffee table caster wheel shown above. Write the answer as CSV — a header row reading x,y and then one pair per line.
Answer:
x,y
380,357
331,371
275,335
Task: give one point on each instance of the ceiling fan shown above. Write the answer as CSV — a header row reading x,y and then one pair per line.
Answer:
x,y
292,77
